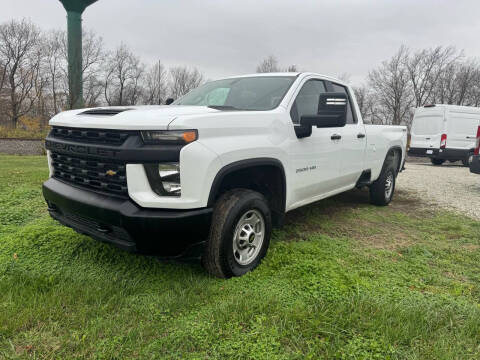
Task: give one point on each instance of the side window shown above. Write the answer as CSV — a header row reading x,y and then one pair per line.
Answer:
x,y
307,99
339,88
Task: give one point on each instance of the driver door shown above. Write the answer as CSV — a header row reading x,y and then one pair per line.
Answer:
x,y
316,160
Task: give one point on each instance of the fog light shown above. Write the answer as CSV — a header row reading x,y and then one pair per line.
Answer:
x,y
164,178
170,177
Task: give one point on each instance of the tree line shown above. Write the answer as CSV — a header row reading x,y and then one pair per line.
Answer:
x,y
34,81
34,75
411,79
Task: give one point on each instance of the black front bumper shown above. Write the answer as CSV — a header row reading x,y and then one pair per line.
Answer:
x,y
445,154
475,165
123,223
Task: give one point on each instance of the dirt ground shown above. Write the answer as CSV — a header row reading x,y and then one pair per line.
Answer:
x,y
450,185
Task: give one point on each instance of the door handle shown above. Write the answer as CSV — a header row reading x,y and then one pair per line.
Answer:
x,y
336,137
360,136
471,137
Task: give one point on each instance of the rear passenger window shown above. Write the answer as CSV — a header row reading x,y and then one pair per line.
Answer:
x,y
307,100
343,89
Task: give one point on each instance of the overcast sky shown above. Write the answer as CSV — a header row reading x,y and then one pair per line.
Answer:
x,y
228,37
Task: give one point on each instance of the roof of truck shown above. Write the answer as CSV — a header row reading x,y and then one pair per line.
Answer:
x,y
288,74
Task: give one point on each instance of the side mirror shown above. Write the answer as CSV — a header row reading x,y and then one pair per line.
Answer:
x,y
332,112
169,101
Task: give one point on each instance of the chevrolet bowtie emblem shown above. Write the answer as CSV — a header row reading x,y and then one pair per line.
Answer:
x,y
110,173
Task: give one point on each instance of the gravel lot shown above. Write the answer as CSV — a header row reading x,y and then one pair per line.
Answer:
x,y
450,185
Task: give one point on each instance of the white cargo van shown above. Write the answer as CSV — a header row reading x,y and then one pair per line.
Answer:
x,y
444,132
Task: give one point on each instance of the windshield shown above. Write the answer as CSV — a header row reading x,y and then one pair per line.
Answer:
x,y
249,93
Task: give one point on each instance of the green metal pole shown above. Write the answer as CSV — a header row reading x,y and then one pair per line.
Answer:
x,y
74,10
75,64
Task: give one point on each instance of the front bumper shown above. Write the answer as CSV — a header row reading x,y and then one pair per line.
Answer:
x,y
475,165
124,224
445,154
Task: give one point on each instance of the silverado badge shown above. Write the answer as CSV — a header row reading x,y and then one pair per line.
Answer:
x,y
110,173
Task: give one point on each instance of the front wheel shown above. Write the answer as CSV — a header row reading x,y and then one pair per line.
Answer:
x,y
382,189
239,234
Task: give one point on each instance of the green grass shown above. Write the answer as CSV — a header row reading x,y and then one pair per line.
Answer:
x,y
342,280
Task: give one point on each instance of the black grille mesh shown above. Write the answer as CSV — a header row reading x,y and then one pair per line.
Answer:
x,y
92,136
113,231
91,173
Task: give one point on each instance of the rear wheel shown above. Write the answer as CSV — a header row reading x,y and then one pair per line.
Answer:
x,y
437,161
382,189
468,160
239,234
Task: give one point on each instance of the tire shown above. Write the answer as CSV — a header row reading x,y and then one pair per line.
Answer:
x,y
468,160
227,252
437,161
379,194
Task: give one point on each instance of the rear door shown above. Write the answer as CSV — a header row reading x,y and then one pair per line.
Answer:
x,y
462,127
427,128
353,144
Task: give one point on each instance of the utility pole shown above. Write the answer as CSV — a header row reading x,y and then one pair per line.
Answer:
x,y
75,8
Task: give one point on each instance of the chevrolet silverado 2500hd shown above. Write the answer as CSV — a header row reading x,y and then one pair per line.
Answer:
x,y
215,169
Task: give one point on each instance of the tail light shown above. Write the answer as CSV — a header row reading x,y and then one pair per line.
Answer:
x,y
443,141
477,143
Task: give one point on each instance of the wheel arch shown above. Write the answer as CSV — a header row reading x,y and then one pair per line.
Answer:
x,y
245,173
397,153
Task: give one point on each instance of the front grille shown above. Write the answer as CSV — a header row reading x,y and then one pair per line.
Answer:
x,y
90,173
92,136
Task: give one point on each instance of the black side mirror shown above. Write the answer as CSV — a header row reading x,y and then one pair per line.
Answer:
x,y
332,112
169,101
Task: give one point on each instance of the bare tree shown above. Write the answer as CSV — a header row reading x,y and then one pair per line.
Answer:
x,y
3,75
270,64
93,61
362,96
183,79
19,52
156,85
459,84
465,79
472,97
291,68
425,68
56,65
391,85
123,73
93,56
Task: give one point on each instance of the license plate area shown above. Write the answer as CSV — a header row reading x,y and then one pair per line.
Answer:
x,y
429,152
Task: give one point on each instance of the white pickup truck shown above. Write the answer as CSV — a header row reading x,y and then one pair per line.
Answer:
x,y
210,173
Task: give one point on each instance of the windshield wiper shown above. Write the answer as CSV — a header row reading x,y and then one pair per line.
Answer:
x,y
223,107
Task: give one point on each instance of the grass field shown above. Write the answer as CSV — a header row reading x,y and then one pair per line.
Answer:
x,y
342,280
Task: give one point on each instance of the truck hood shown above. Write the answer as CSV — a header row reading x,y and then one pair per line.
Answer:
x,y
149,117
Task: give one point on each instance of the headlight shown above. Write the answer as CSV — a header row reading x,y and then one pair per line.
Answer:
x,y
164,178
159,137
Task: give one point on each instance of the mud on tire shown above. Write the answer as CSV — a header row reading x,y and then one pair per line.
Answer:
x,y
231,211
